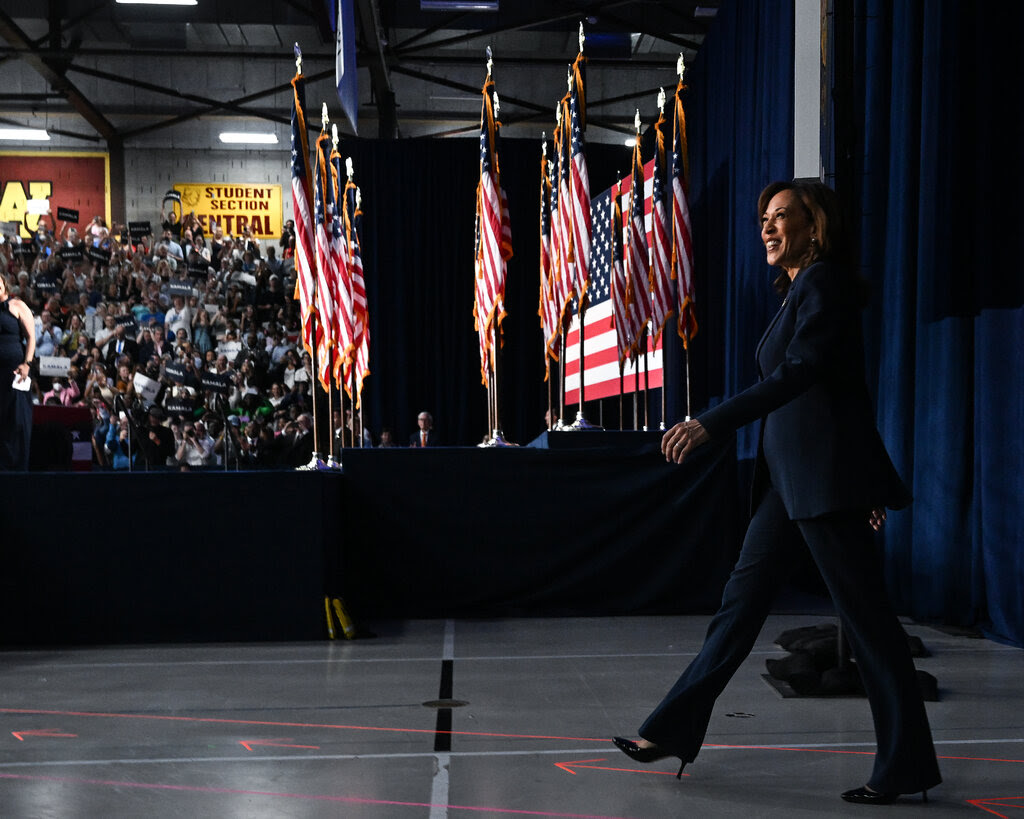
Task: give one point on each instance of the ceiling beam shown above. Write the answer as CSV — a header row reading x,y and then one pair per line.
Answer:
x,y
527,23
537,109
10,31
372,36
216,106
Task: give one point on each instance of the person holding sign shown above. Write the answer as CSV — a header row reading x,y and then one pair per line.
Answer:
x,y
17,349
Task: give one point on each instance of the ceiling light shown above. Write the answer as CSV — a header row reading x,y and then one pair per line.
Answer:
x,y
24,133
261,139
158,2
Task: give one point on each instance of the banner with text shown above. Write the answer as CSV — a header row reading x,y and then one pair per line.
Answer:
x,y
235,207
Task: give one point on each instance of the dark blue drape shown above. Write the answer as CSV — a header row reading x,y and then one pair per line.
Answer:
x,y
938,128
739,110
936,154
417,240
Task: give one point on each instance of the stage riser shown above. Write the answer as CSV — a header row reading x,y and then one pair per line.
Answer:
x,y
117,558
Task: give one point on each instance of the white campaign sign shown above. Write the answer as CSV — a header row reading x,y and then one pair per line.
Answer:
x,y
53,365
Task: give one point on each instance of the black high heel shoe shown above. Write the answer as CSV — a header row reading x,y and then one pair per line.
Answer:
x,y
652,753
866,796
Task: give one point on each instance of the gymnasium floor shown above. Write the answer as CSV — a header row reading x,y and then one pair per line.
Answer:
x,y
473,718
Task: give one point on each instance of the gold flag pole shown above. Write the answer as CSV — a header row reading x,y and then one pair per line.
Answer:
x,y
581,422
664,363
325,120
314,460
680,70
497,437
332,462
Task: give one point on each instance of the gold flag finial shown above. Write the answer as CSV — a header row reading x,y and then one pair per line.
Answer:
x,y
324,119
298,59
680,66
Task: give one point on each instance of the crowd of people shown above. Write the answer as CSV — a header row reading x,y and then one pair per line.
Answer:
x,y
183,343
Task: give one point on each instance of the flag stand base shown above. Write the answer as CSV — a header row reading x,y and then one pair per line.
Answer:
x,y
497,439
581,423
316,462
333,463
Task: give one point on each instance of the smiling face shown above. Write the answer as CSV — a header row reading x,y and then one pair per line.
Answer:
x,y
787,230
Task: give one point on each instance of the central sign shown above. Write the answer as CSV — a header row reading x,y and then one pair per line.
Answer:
x,y
235,207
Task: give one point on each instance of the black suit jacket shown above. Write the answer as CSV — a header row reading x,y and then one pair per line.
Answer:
x,y
131,349
819,445
414,439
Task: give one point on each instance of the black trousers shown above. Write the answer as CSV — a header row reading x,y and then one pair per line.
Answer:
x,y
843,549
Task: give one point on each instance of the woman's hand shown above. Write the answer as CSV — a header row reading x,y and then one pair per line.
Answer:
x,y
877,518
680,440
21,370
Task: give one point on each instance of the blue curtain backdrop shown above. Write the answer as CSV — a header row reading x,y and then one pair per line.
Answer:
x,y
936,152
938,131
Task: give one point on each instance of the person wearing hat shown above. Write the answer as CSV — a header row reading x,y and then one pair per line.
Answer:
x,y
156,443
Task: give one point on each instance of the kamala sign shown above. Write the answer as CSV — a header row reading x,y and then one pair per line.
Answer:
x,y
235,207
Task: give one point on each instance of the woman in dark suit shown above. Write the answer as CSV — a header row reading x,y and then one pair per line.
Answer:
x,y
822,469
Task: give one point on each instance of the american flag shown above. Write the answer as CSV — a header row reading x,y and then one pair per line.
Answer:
x,y
359,355
661,241
327,273
344,331
563,216
546,310
579,180
492,214
637,257
623,337
602,362
304,264
682,235
560,275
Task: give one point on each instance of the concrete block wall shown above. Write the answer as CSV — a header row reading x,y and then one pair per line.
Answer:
x,y
149,174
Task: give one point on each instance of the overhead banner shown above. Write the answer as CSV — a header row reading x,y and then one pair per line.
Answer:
x,y
235,207
72,183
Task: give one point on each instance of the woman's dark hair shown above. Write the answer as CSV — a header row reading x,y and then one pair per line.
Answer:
x,y
821,204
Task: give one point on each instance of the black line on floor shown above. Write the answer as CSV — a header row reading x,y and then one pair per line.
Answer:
x,y
443,728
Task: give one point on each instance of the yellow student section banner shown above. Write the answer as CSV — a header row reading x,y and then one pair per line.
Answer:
x,y
234,206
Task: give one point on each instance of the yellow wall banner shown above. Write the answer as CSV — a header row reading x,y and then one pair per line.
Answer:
x,y
235,206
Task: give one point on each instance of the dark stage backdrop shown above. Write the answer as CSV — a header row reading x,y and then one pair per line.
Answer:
x,y
418,234
935,146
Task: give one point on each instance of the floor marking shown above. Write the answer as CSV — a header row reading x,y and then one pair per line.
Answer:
x,y
351,800
439,783
448,651
603,749
342,660
439,787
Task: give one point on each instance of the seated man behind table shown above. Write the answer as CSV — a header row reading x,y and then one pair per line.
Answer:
x,y
426,436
